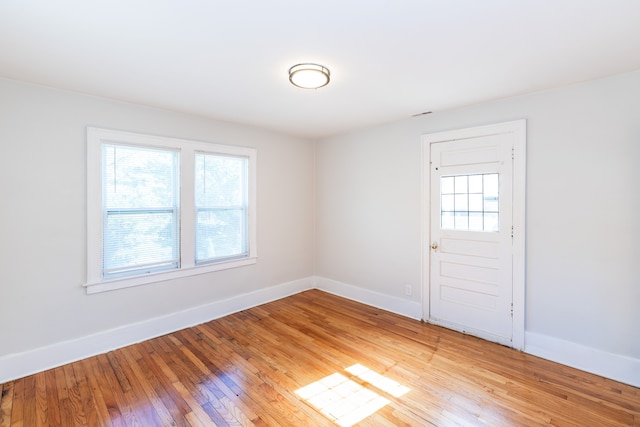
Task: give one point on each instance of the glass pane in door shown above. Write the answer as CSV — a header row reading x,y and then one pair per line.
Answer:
x,y
470,202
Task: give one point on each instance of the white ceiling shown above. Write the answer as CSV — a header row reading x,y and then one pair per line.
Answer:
x,y
389,59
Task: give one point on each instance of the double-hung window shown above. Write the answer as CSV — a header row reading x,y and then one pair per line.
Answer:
x,y
163,208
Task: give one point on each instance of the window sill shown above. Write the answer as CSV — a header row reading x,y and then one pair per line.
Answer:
x,y
95,287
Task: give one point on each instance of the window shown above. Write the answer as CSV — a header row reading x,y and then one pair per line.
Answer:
x,y
162,208
469,202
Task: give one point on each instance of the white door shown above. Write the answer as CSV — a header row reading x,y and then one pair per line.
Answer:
x,y
471,255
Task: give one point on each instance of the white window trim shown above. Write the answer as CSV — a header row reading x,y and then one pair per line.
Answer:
x,y
187,149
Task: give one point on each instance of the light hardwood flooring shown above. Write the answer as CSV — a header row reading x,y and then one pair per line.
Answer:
x,y
314,359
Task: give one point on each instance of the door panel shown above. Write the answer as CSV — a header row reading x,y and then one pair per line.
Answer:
x,y
469,156
474,248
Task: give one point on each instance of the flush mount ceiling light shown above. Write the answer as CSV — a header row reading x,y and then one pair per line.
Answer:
x,y
309,76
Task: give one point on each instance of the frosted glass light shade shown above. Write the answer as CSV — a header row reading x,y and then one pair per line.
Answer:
x,y
309,76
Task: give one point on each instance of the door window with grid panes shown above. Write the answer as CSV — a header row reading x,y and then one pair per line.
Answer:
x,y
470,202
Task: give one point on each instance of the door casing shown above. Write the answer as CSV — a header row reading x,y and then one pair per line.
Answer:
x,y
518,129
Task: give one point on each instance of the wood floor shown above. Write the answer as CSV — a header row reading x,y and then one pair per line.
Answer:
x,y
314,359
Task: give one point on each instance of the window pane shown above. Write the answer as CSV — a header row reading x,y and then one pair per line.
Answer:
x,y
140,221
220,180
462,220
475,184
220,233
475,202
133,240
135,177
221,207
447,203
461,184
475,221
447,222
491,185
491,204
446,184
462,202
491,222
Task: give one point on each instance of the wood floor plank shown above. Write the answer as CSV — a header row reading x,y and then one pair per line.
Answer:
x,y
17,413
30,407
94,394
100,382
73,392
42,407
315,359
6,403
87,397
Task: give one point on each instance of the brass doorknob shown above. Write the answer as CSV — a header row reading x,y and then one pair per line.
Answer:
x,y
434,245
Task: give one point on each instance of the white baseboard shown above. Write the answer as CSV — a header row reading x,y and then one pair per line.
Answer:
x,y
609,365
19,365
12,366
386,302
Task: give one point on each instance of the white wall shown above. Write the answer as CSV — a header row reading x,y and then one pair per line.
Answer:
x,y
43,218
583,202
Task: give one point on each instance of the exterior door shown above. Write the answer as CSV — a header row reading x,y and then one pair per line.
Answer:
x,y
471,254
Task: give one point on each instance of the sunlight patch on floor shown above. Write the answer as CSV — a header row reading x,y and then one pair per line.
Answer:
x,y
346,401
379,381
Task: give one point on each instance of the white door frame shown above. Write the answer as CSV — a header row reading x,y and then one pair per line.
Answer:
x,y
518,128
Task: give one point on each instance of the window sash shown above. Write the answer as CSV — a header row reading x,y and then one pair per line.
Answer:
x,y
172,261
242,229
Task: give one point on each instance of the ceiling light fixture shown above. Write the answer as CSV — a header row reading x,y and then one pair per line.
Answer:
x,y
309,76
